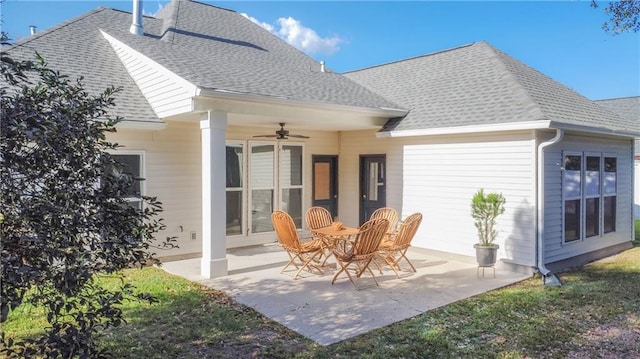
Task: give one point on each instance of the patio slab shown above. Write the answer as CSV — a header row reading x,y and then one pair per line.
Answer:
x,y
329,313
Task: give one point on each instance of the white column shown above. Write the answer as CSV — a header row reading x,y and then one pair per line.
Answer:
x,y
214,210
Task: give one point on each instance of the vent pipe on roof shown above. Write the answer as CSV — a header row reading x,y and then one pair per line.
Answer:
x,y
32,29
136,24
322,69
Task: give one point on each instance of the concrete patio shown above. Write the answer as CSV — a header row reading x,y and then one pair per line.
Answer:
x,y
329,313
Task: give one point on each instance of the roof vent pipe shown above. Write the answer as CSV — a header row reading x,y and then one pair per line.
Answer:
x,y
32,29
136,24
322,69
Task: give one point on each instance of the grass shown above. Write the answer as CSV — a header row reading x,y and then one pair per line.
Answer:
x,y
594,314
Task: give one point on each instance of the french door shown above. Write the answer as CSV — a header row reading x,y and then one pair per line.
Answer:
x,y
261,177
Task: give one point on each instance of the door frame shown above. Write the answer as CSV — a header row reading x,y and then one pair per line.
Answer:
x,y
365,208
330,204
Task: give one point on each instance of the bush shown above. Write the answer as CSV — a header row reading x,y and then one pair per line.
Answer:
x,y
65,219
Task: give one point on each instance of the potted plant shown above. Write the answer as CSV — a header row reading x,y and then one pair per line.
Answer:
x,y
485,208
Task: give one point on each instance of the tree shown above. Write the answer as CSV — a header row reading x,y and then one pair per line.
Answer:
x,y
65,219
623,16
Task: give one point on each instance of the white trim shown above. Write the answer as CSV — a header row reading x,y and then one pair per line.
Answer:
x,y
511,126
281,100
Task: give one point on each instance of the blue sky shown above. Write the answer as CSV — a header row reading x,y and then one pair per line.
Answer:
x,y
562,39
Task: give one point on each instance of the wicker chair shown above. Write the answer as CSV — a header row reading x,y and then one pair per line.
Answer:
x,y
362,251
319,217
389,214
302,255
391,251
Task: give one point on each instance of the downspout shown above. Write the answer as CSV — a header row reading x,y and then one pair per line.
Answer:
x,y
548,278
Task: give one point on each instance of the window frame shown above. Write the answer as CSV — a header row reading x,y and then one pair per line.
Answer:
x,y
142,155
584,196
608,195
242,189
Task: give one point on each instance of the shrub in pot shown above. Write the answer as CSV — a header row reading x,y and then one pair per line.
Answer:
x,y
485,208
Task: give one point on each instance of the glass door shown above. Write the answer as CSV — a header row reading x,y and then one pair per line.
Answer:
x,y
262,186
235,192
290,176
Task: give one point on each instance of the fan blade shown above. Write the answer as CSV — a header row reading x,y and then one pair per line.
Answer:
x,y
297,136
266,136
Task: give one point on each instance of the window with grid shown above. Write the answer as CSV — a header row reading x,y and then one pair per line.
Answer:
x,y
589,195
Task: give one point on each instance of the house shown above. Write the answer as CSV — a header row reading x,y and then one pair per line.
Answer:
x,y
629,108
420,135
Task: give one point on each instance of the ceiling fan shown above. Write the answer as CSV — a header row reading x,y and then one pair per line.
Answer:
x,y
282,134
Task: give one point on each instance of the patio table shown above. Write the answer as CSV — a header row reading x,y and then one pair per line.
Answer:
x,y
331,235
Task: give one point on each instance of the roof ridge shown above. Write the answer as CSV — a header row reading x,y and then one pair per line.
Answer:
x,y
413,57
24,41
521,87
617,98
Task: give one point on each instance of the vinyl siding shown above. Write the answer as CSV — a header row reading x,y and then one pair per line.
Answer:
x,y
555,249
438,176
172,172
636,179
167,93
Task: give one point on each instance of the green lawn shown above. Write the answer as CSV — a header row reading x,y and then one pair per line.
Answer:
x,y
596,313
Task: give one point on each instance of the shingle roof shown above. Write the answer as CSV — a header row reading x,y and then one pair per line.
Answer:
x,y
627,107
477,84
76,48
211,47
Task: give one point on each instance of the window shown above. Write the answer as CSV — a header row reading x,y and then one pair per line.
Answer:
x,y
572,192
234,167
262,176
610,192
589,195
261,180
131,169
291,181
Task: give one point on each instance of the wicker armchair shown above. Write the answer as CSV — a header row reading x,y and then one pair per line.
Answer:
x,y
362,252
391,251
320,217
389,214
302,255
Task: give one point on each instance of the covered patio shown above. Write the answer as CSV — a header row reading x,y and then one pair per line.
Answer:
x,y
329,313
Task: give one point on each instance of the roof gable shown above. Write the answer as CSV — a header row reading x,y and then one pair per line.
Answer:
x,y
212,48
75,49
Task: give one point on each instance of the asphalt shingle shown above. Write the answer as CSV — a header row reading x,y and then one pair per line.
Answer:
x,y
211,47
477,84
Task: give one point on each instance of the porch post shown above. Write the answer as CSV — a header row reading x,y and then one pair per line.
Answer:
x,y
214,242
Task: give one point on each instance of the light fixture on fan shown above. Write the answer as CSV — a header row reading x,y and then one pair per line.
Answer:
x,y
282,134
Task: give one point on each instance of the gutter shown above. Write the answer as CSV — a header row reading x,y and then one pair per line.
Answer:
x,y
548,278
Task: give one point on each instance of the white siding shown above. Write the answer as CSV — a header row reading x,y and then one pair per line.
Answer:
x,y
555,250
438,176
167,93
636,202
172,167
